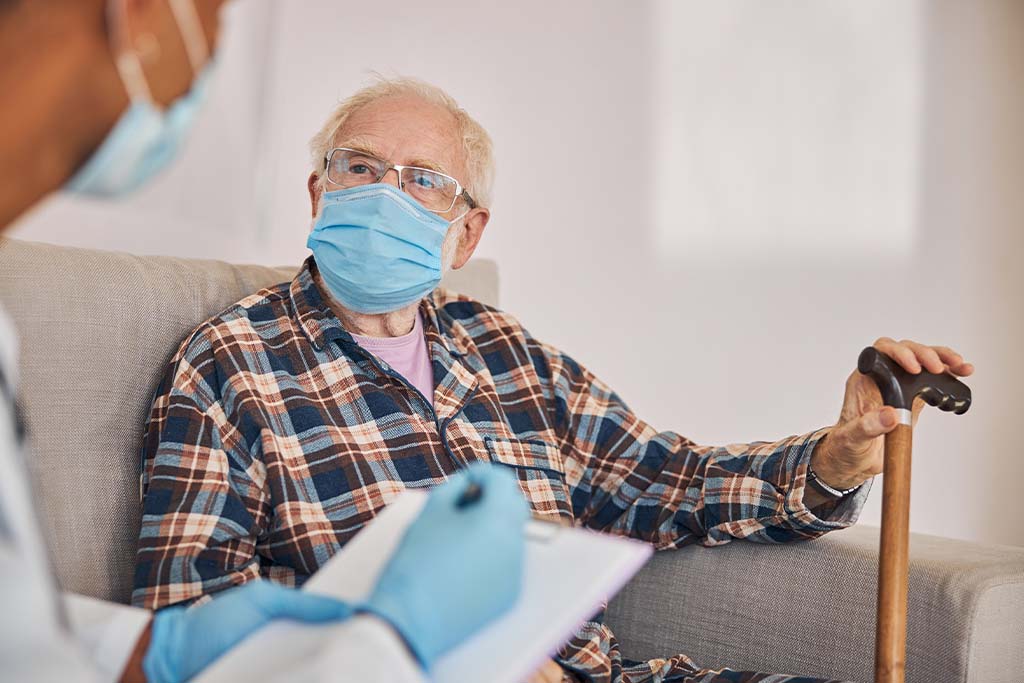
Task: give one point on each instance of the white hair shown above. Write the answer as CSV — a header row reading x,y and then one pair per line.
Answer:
x,y
476,142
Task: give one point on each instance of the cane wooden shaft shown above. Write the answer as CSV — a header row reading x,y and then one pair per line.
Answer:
x,y
891,627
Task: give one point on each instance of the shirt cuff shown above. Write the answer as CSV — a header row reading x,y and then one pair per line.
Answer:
x,y
842,514
108,631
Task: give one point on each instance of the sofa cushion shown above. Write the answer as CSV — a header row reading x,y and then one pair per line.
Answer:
x,y
809,608
96,330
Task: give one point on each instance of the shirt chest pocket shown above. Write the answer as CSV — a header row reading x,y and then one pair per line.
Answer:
x,y
541,475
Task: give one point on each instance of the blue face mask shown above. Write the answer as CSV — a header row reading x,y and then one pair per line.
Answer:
x,y
145,138
377,248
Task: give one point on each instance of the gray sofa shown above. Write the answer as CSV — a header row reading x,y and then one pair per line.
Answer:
x,y
97,327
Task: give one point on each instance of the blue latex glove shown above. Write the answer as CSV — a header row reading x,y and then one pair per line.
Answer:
x,y
184,641
456,568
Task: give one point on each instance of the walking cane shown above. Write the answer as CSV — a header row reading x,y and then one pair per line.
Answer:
x,y
899,389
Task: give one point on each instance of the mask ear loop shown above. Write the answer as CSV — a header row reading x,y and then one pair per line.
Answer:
x,y
125,58
191,29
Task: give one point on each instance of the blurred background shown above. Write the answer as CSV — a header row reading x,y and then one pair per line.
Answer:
x,y
713,205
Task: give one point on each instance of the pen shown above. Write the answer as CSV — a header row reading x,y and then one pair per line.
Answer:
x,y
472,494
535,530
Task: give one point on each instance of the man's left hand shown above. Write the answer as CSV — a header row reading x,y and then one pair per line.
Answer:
x,y
853,451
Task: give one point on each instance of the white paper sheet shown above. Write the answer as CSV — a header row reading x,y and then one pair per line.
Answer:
x,y
568,573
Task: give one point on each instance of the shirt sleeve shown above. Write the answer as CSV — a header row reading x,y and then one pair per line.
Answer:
x,y
107,631
204,502
628,478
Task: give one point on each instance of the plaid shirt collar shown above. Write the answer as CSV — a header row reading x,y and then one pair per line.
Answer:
x,y
321,326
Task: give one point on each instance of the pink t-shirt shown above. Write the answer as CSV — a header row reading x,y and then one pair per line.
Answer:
x,y
407,355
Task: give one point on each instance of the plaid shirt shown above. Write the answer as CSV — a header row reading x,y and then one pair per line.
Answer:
x,y
274,438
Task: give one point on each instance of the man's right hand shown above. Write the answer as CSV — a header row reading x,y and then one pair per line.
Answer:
x,y
456,568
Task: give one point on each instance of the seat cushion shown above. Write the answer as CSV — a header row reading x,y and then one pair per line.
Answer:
x,y
809,608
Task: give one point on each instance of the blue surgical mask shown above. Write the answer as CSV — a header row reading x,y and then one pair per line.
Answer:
x,y
377,248
145,139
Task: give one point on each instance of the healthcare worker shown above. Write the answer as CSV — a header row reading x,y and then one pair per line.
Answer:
x,y
123,111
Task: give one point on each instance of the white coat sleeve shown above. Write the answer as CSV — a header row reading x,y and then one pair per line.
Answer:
x,y
34,644
42,636
107,631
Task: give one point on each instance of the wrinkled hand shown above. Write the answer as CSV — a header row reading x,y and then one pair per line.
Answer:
x,y
185,641
853,451
456,568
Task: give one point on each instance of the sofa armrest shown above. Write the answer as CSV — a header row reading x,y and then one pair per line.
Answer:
x,y
809,608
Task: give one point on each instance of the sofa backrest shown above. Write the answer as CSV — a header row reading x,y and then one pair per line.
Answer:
x,y
96,329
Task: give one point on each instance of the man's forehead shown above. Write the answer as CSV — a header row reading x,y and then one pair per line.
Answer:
x,y
405,131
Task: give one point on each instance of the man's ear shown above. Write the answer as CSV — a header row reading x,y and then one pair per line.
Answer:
x,y
475,222
313,185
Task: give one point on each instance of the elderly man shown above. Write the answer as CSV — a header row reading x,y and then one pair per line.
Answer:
x,y
330,394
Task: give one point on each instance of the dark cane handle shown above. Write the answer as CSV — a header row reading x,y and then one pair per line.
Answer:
x,y
899,388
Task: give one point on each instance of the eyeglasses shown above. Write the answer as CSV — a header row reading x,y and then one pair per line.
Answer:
x,y
434,190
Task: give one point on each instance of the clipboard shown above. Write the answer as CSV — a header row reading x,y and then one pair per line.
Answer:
x,y
568,573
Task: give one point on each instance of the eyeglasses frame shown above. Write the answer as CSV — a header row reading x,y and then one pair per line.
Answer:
x,y
460,191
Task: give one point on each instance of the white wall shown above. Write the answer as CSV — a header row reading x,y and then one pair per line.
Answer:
x,y
809,112
722,344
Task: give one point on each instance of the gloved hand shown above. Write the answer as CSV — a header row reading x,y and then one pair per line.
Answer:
x,y
456,568
184,641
